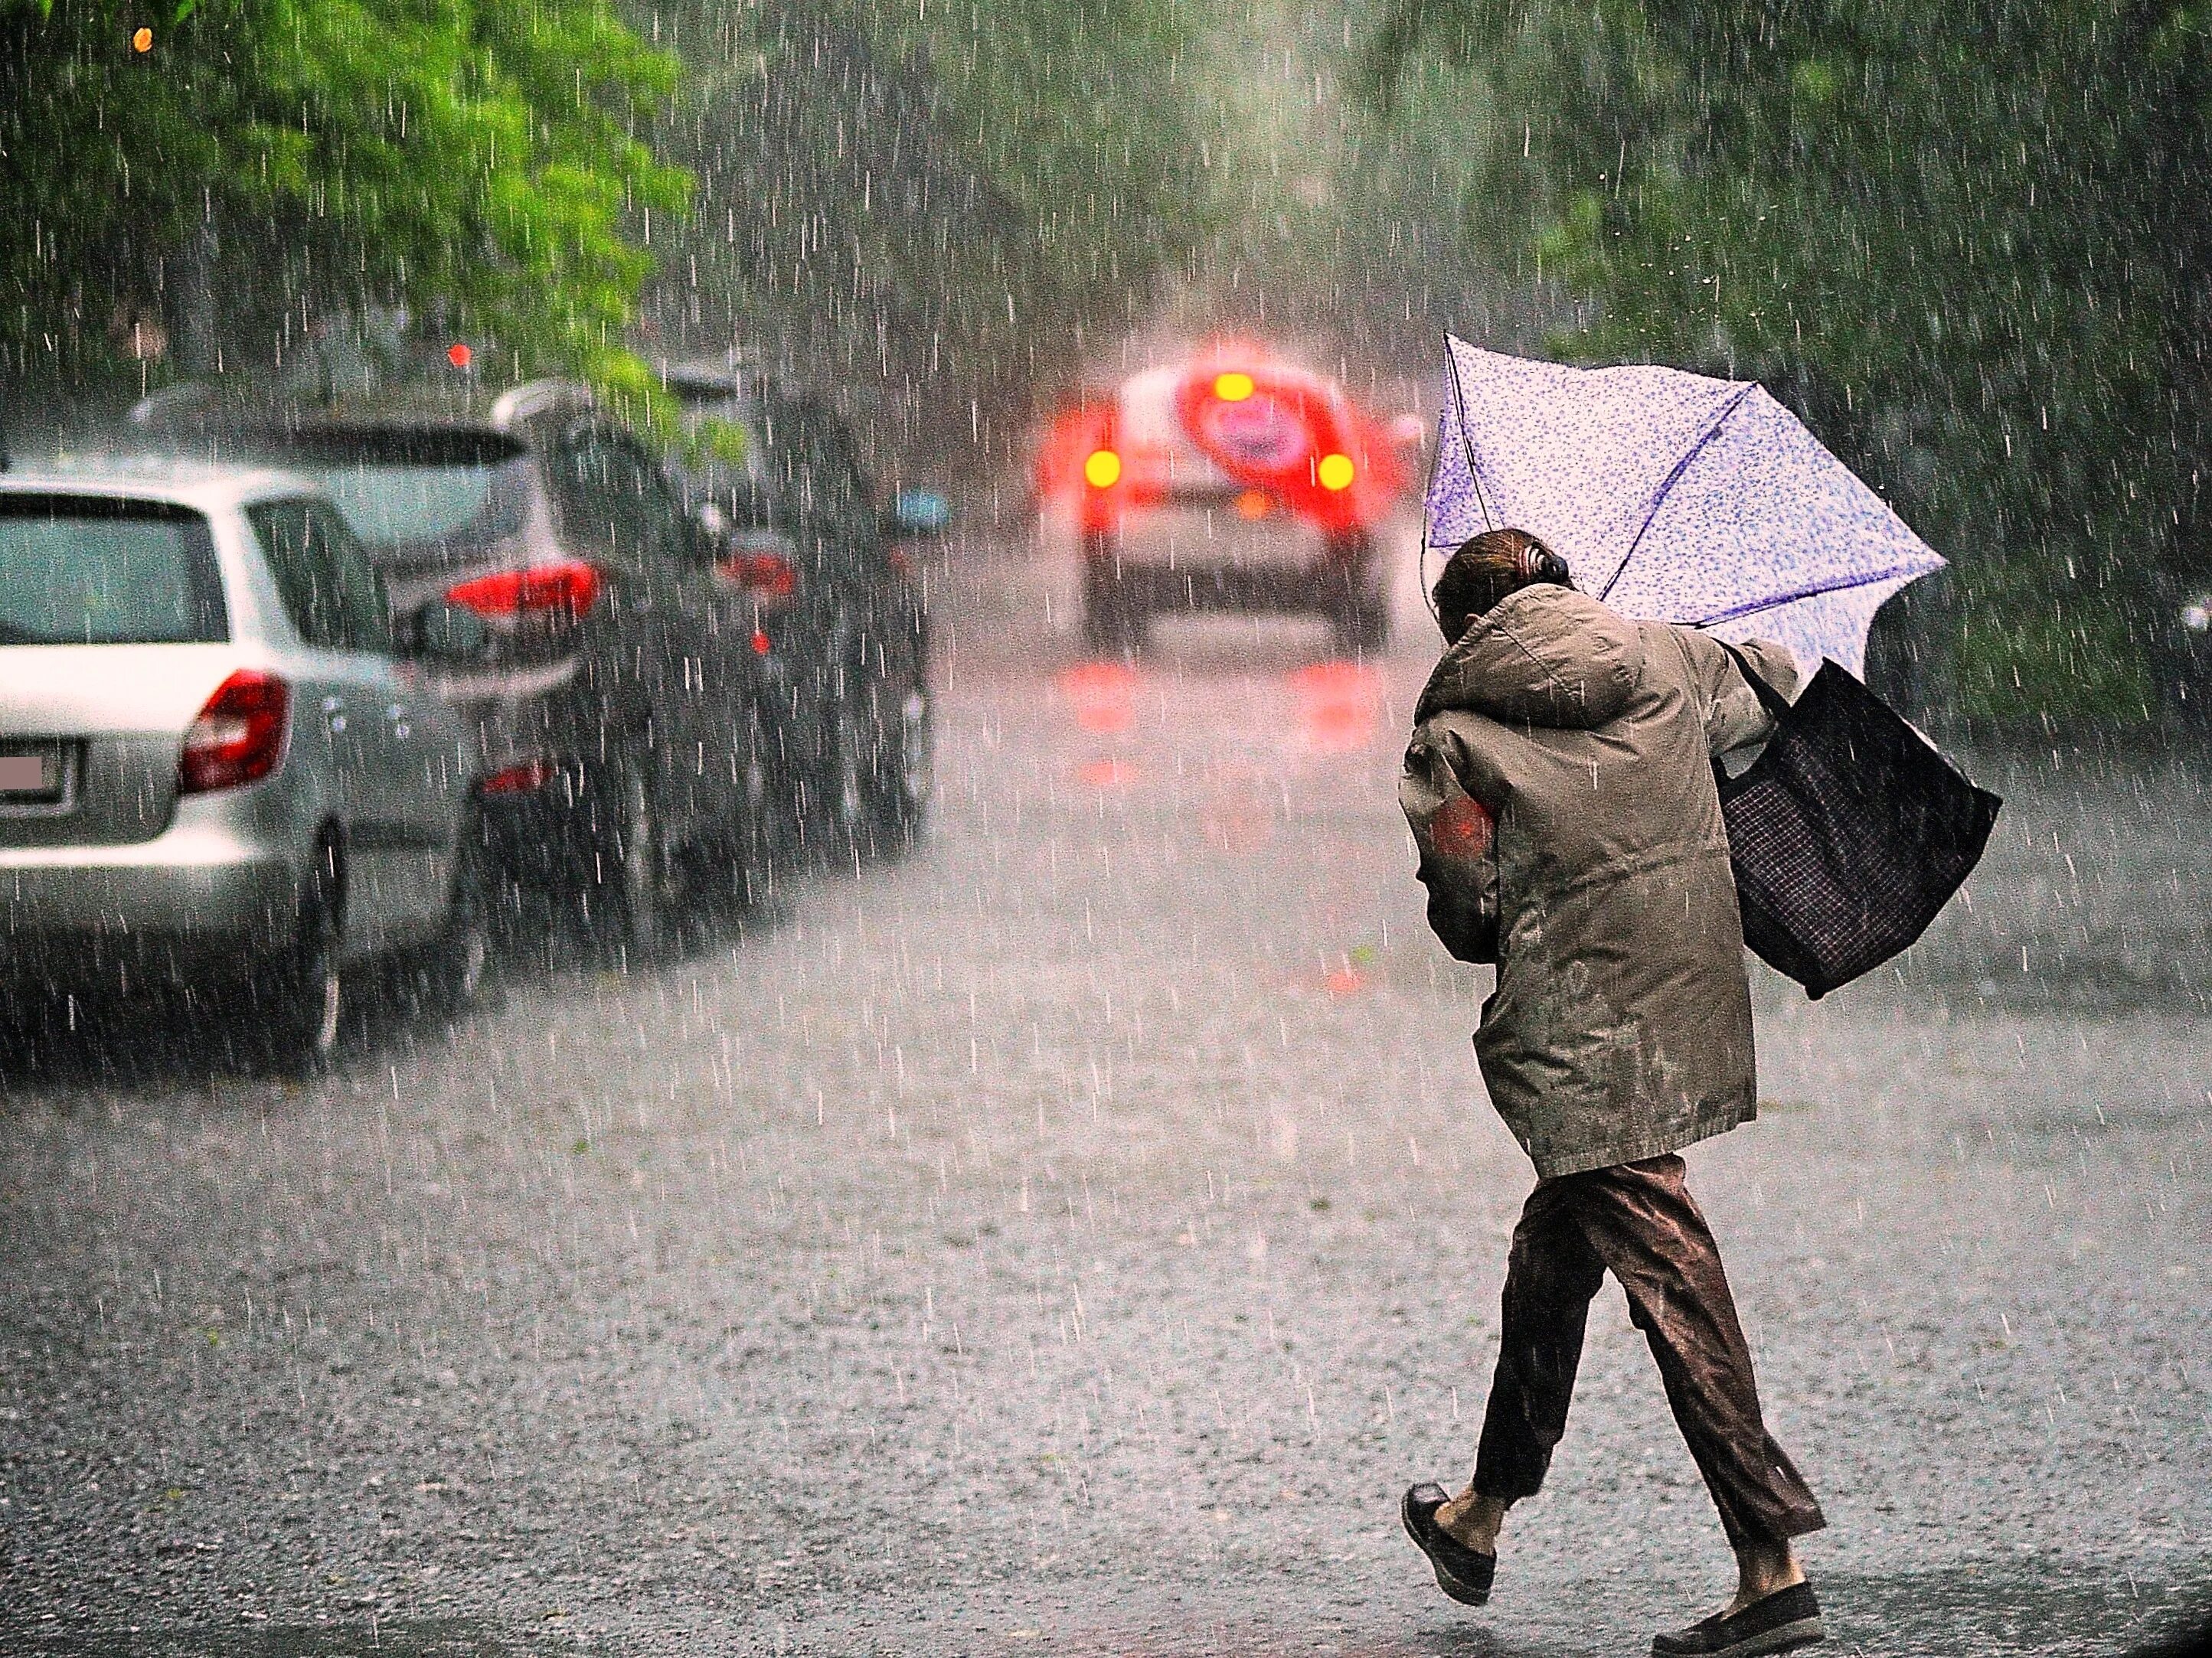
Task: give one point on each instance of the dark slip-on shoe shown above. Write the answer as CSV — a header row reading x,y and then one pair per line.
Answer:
x,y
1784,1621
1461,1572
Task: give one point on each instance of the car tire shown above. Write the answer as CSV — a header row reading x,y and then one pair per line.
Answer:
x,y
636,868
840,809
1360,625
745,862
295,1001
447,976
1358,612
905,748
1114,623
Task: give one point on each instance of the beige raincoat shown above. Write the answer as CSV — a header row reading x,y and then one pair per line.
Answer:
x,y
1621,1024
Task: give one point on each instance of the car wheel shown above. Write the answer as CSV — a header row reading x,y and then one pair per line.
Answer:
x,y
636,866
449,973
296,999
1113,623
905,749
1361,624
846,765
746,861
1358,612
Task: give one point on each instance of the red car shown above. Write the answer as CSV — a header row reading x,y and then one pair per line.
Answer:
x,y
1231,482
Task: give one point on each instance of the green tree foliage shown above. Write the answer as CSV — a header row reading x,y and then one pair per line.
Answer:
x,y
1969,241
274,164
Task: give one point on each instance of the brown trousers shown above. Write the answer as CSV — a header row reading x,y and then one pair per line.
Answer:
x,y
1639,1221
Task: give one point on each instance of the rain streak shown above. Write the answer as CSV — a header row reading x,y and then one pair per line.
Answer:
x,y
761,762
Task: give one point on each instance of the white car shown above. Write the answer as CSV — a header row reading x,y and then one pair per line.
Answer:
x,y
1232,481
215,775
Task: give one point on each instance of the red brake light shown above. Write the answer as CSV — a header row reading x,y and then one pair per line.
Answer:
x,y
238,735
768,576
526,777
1101,468
569,588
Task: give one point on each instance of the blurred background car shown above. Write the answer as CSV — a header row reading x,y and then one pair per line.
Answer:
x,y
213,776
837,600
616,700
1229,481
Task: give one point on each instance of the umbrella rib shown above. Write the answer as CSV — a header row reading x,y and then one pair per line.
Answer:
x,y
1436,466
1667,484
1467,438
1840,587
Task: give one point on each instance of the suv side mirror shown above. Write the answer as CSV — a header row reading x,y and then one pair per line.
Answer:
x,y
916,515
446,631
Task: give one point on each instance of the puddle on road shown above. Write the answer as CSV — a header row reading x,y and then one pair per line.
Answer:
x,y
1327,708
1103,695
1339,705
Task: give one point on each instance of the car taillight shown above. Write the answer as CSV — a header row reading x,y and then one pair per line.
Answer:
x,y
569,589
238,735
524,777
765,575
1101,468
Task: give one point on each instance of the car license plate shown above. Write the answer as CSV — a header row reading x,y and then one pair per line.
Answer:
x,y
35,776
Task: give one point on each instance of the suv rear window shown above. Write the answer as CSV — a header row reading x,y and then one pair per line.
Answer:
x,y
329,588
418,496
91,570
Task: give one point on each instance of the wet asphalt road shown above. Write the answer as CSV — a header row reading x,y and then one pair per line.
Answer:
x,y
1074,1237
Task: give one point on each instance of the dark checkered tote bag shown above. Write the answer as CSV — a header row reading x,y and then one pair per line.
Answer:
x,y
1848,833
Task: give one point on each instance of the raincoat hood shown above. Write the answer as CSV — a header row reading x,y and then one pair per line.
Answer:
x,y
1544,656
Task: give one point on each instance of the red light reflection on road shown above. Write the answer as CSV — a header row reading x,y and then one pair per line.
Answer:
x,y
1102,694
1340,705
1107,773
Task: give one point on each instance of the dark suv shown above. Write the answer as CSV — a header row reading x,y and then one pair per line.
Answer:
x,y
617,703
775,476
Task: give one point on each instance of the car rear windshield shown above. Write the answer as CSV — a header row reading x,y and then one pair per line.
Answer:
x,y
90,570
414,497
725,441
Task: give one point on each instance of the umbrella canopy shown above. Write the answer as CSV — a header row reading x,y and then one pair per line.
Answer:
x,y
1672,496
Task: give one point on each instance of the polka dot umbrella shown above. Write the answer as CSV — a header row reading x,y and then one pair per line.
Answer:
x,y
1673,496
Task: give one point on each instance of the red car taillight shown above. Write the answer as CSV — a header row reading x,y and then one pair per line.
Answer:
x,y
524,777
769,576
567,589
239,736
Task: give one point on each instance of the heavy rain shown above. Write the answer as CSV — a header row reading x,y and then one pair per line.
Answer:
x,y
708,721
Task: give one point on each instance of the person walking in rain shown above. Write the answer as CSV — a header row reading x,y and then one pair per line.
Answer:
x,y
1560,790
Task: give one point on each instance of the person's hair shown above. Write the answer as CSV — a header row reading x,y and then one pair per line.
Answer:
x,y
1488,567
